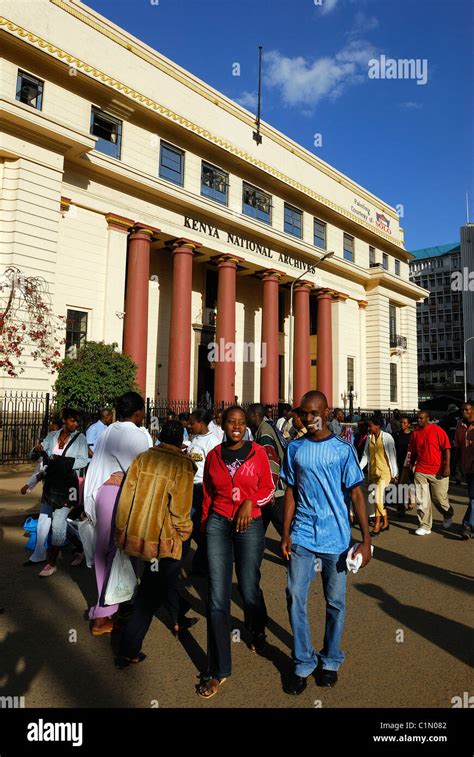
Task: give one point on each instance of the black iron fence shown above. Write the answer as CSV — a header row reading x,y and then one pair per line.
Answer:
x,y
25,418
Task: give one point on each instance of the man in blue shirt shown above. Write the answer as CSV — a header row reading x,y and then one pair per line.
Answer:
x,y
96,429
322,472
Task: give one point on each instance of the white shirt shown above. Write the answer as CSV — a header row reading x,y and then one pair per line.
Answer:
x,y
217,431
198,449
117,446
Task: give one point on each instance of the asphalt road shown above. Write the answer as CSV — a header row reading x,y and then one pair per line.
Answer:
x,y
407,637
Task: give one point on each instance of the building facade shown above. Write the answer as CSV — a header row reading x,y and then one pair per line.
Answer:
x,y
160,224
440,321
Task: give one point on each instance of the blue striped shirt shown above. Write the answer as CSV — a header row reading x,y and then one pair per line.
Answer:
x,y
322,474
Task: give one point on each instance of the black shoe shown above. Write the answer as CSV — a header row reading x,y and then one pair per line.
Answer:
x,y
31,564
327,678
259,642
296,685
466,533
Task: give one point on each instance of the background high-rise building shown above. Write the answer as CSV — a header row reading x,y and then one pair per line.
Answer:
x,y
439,321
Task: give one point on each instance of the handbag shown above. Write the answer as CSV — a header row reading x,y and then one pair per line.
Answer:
x,y
60,479
122,580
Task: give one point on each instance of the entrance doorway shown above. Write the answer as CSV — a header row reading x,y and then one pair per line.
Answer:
x,y
205,382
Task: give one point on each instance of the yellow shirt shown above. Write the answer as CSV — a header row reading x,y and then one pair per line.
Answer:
x,y
379,465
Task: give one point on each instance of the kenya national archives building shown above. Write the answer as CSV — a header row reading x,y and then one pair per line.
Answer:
x,y
140,194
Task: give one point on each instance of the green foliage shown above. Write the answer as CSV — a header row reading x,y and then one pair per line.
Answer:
x,y
96,377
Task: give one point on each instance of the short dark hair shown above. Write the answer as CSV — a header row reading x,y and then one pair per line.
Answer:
x,y
285,406
172,432
230,410
257,408
376,420
315,393
183,417
128,404
70,412
56,420
202,415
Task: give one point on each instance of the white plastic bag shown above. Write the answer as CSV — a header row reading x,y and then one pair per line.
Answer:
x,y
88,536
122,580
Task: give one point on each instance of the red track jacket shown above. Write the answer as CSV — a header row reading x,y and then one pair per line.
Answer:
x,y
224,495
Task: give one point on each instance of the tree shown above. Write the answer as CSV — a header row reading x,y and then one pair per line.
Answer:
x,y
96,377
26,318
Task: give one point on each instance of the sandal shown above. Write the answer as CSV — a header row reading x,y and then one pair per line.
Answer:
x,y
100,630
206,691
123,662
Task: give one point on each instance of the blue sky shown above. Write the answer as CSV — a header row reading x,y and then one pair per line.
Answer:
x,y
411,144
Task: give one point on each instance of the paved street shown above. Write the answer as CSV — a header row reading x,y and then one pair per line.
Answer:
x,y
418,586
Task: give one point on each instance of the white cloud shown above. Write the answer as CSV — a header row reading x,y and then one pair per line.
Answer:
x,y
409,105
327,6
302,82
363,24
247,100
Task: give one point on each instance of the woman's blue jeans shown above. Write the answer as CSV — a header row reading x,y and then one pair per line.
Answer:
x,y
303,567
224,545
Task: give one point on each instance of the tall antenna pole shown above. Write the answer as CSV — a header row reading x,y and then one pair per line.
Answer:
x,y
467,206
256,135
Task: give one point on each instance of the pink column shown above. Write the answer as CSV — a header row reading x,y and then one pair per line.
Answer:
x,y
325,297
269,370
179,354
135,330
301,356
224,389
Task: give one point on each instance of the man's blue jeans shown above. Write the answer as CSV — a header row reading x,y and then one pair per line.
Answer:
x,y
224,545
468,519
303,567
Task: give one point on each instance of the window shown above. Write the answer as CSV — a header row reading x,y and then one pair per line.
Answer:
x,y
256,204
350,374
211,288
348,247
76,329
29,90
214,183
385,260
313,315
293,221
393,383
109,132
397,268
171,164
320,234
372,260
392,315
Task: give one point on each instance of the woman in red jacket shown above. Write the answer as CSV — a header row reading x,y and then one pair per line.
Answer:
x,y
237,484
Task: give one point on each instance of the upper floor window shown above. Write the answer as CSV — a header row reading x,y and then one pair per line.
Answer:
x,y
109,132
320,233
256,203
171,164
349,247
76,331
385,260
214,183
29,90
293,221
397,268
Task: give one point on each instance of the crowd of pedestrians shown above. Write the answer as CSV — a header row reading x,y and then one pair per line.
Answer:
x,y
218,482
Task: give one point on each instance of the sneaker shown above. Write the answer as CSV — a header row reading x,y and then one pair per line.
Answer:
x,y
48,570
78,558
447,523
466,533
422,532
